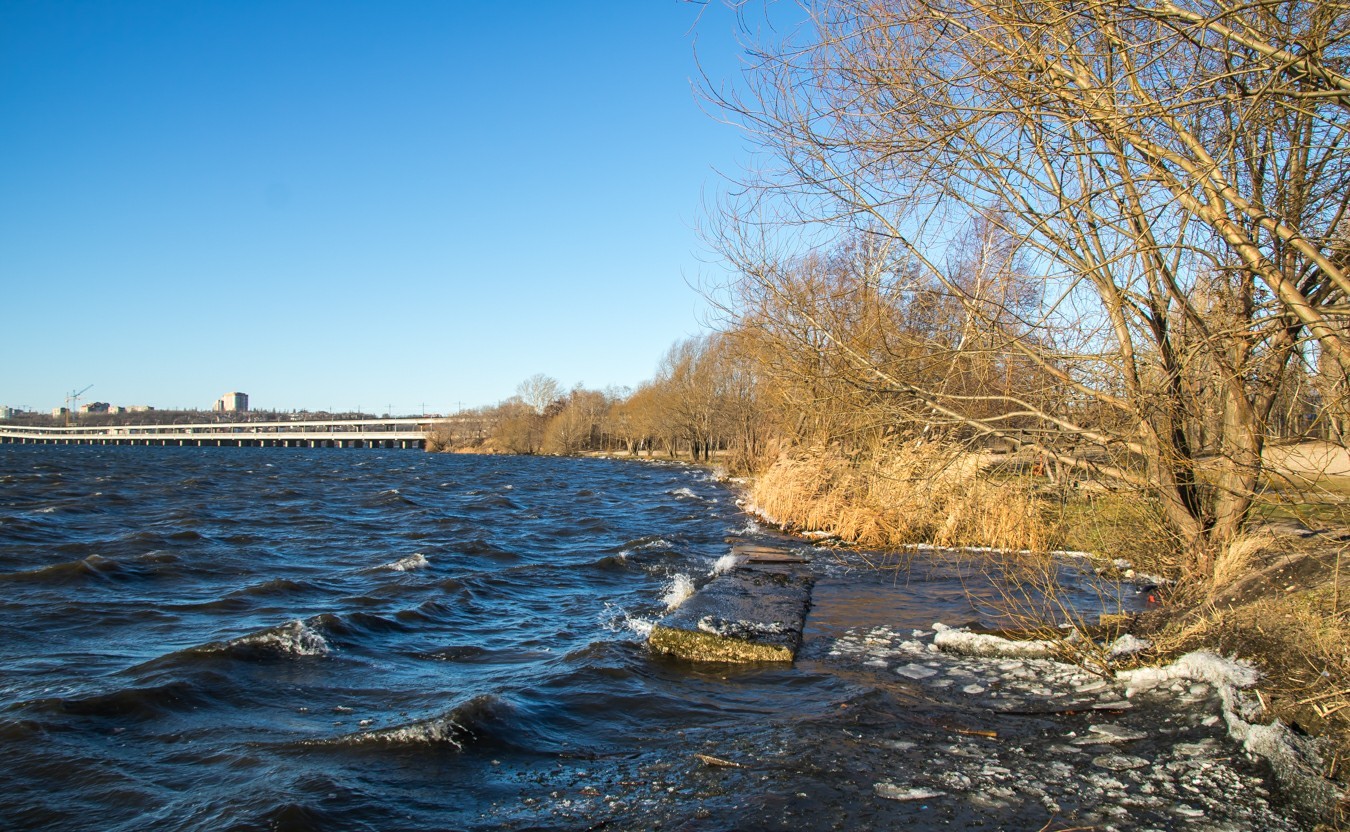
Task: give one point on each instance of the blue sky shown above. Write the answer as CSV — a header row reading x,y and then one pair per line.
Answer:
x,y
337,204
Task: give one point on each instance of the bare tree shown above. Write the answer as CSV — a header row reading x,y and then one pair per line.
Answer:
x,y
1172,175
539,391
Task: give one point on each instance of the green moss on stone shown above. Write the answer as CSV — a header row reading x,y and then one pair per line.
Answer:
x,y
699,646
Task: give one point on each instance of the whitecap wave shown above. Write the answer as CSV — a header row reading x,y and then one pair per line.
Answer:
x,y
445,730
616,619
295,638
408,564
657,543
750,529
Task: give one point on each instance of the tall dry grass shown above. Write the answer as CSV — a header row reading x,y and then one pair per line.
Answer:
x,y
903,494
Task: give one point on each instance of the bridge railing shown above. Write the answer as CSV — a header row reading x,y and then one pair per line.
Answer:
x,y
312,430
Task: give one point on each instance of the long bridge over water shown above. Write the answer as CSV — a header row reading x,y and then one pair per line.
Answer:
x,y
336,433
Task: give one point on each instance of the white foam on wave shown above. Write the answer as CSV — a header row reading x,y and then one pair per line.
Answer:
x,y
658,543
442,730
751,528
295,638
408,564
616,619
677,591
685,493
725,564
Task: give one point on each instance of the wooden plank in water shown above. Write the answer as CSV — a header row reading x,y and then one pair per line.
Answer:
x,y
755,553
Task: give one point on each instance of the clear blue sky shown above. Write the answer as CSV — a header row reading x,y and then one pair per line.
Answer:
x,y
338,204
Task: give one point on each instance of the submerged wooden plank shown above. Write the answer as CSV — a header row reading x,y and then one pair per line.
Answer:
x,y
754,553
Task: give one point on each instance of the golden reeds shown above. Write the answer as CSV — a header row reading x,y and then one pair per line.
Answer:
x,y
903,494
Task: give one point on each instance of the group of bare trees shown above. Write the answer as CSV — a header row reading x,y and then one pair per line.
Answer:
x,y
1110,231
705,399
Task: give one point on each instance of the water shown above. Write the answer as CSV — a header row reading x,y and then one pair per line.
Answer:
x,y
239,639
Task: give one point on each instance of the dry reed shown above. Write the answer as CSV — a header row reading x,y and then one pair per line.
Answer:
x,y
903,494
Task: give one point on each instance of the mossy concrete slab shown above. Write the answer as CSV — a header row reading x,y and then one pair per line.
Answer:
x,y
754,613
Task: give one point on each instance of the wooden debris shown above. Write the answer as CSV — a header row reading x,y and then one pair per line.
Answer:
x,y
716,762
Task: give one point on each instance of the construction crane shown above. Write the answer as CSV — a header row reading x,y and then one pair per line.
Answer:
x,y
73,402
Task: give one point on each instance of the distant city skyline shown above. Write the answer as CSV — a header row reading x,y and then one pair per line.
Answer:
x,y
348,206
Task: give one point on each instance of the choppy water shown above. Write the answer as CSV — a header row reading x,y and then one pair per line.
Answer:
x,y
237,639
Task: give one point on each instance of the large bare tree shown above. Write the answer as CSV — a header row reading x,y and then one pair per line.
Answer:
x,y
1173,175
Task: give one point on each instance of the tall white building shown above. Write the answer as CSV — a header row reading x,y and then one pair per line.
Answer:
x,y
232,403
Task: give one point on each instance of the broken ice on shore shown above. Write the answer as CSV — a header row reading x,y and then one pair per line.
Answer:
x,y
1147,748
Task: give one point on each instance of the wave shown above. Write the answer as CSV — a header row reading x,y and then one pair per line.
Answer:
x,y
593,526
616,619
638,551
463,725
473,654
275,588
139,703
457,653
479,546
97,567
492,502
687,493
408,564
390,497
298,817
294,638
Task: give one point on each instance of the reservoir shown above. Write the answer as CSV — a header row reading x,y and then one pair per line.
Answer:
x,y
309,639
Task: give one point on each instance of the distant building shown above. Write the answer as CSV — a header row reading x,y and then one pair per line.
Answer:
x,y
232,403
7,412
95,407
58,412
139,408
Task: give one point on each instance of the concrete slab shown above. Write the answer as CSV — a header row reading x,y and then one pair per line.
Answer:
x,y
754,613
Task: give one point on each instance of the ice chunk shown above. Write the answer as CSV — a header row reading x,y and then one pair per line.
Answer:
x,y
1116,733
1128,645
915,671
1199,666
891,791
1119,762
966,643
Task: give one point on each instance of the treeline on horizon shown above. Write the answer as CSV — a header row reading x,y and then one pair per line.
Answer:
x,y
1109,240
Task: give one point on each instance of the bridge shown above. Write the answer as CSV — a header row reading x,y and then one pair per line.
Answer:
x,y
338,433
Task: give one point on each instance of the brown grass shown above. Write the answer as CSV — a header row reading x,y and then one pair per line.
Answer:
x,y
904,494
1238,559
